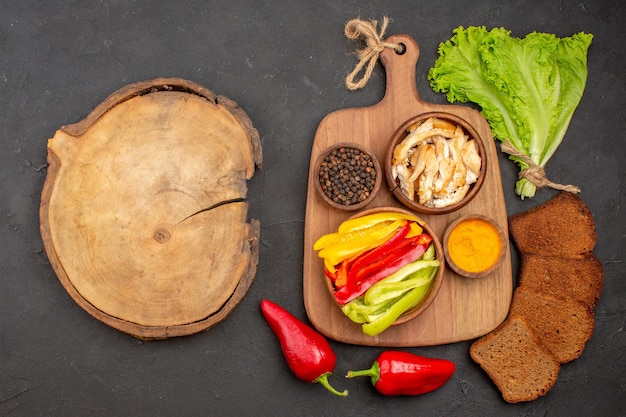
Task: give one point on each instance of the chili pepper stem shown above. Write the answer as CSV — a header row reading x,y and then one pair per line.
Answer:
x,y
323,380
373,373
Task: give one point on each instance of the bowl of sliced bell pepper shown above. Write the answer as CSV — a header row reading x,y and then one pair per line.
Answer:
x,y
383,267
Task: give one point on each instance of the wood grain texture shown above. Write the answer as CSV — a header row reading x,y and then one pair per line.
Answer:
x,y
143,212
464,308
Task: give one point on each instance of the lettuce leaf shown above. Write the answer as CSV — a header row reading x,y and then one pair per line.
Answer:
x,y
527,89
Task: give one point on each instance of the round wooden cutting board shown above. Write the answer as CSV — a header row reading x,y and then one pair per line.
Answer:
x,y
144,213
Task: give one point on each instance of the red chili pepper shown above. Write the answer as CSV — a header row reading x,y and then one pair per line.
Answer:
x,y
307,352
349,292
403,373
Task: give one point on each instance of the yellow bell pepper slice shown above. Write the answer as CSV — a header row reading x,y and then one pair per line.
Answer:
x,y
370,220
343,250
326,240
331,268
336,237
414,230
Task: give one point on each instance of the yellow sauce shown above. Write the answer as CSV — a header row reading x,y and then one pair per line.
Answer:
x,y
474,245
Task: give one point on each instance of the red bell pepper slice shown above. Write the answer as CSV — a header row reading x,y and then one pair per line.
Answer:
x,y
383,250
342,274
361,270
331,275
424,239
351,291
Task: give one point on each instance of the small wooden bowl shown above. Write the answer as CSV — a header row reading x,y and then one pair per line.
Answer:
x,y
495,229
399,136
372,192
437,280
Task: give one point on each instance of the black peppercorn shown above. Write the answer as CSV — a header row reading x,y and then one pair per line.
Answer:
x,y
347,175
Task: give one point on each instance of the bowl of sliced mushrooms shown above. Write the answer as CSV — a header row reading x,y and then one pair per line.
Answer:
x,y
435,163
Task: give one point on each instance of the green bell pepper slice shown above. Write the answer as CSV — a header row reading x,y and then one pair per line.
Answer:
x,y
406,302
384,291
407,270
429,254
359,312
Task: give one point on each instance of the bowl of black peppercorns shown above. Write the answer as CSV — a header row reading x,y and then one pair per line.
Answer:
x,y
348,176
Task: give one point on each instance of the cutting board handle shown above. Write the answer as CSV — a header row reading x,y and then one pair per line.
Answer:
x,y
401,83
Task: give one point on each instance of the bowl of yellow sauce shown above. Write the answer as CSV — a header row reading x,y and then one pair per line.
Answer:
x,y
474,245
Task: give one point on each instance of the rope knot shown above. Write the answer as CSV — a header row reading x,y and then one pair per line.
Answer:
x,y
357,29
534,173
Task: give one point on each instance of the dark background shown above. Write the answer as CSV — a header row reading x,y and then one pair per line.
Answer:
x,y
284,62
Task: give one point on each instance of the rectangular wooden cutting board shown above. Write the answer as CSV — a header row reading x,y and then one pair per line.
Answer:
x,y
464,308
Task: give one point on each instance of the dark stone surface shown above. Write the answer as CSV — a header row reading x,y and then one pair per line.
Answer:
x,y
284,63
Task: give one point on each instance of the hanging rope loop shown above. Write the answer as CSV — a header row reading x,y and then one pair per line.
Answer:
x,y
357,29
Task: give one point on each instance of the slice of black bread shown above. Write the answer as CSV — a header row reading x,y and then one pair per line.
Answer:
x,y
562,226
516,361
578,278
563,325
